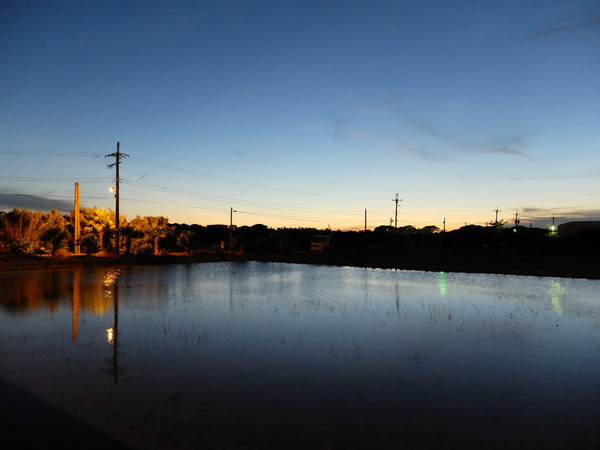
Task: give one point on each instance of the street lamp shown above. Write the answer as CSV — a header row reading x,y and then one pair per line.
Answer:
x,y
118,156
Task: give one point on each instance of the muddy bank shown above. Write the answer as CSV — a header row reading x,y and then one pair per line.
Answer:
x,y
564,264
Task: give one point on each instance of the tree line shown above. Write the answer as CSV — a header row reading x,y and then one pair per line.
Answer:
x,y
37,233
24,232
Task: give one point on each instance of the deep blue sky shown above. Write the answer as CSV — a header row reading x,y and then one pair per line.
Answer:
x,y
304,113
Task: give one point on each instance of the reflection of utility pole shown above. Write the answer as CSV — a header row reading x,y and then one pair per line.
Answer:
x,y
396,216
76,286
76,236
116,334
118,156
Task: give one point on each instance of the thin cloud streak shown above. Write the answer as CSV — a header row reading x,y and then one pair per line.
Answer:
x,y
498,146
10,201
558,176
427,155
595,22
561,215
383,108
501,151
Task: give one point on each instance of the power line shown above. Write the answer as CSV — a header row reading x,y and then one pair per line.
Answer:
x,y
56,179
229,200
306,219
26,152
50,196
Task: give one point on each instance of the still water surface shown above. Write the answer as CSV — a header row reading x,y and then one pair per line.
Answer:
x,y
264,354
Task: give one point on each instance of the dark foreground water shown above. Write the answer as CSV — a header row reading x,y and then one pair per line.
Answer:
x,y
268,355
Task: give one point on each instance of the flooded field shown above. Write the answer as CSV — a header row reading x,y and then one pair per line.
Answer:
x,y
270,355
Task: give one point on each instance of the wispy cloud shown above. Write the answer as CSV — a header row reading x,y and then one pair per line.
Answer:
x,y
563,176
11,200
505,146
561,215
572,17
341,128
338,126
511,145
428,155
381,108
579,25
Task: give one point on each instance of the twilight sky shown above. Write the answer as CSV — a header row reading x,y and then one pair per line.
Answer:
x,y
304,113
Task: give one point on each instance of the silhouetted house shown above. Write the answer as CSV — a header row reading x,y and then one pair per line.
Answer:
x,y
570,229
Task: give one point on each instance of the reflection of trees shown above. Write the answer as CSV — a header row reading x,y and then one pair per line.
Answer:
x,y
34,290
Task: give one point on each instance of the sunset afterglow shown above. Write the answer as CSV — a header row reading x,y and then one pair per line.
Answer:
x,y
305,114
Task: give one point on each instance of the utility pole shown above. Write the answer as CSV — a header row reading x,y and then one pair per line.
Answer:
x,y
517,221
365,220
553,228
230,227
77,234
396,216
497,211
118,156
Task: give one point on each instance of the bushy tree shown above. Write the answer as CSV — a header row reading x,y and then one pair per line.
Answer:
x,y
96,222
155,227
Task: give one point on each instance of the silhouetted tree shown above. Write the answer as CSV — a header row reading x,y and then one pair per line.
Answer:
x,y
184,240
498,225
155,227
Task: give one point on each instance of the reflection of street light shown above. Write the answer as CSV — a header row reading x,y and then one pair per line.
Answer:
x,y
444,221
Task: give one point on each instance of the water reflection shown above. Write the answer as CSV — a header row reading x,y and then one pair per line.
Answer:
x,y
443,284
24,292
556,293
370,348
76,300
111,280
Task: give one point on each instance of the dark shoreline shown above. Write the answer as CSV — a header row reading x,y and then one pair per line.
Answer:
x,y
571,265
